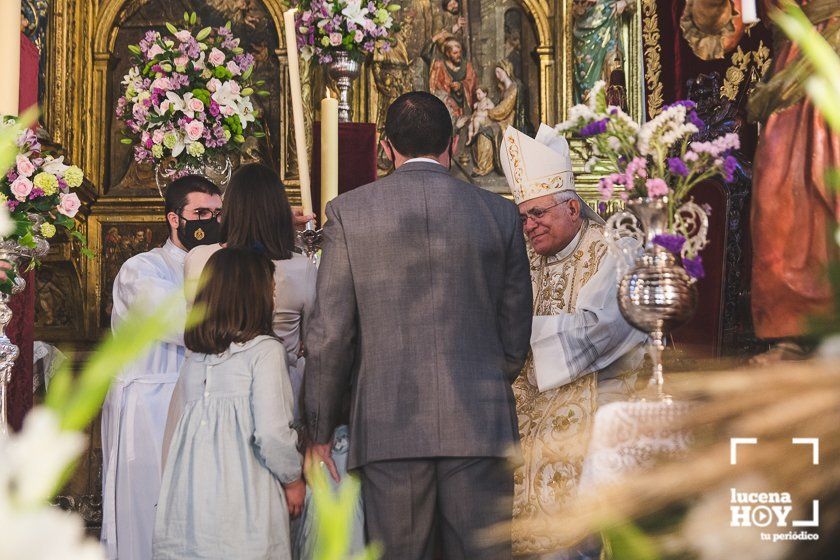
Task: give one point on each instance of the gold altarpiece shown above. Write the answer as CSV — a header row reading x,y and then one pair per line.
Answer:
x,y
86,57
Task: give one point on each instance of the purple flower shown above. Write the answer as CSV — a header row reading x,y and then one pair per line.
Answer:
x,y
11,176
602,207
730,164
694,267
12,204
594,128
672,242
677,167
214,108
696,121
35,193
682,102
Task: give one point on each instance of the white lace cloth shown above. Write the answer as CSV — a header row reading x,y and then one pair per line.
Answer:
x,y
628,436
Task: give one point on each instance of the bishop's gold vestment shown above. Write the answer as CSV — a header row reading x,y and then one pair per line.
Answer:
x,y
554,425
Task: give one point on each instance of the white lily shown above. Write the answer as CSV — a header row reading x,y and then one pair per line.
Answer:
x,y
355,13
245,110
227,94
54,165
179,146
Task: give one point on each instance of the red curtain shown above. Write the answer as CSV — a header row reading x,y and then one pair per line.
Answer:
x,y
21,330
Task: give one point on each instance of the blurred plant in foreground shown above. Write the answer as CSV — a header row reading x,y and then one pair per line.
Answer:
x,y
335,516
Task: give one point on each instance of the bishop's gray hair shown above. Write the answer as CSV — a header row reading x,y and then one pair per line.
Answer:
x,y
563,196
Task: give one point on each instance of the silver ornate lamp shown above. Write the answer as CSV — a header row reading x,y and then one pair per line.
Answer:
x,y
343,69
12,252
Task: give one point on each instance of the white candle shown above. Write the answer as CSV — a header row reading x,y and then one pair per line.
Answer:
x,y
329,152
10,51
297,111
749,14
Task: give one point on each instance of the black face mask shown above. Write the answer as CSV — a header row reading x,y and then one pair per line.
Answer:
x,y
193,233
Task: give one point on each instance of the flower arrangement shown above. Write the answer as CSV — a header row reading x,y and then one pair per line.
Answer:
x,y
188,95
354,26
659,158
37,192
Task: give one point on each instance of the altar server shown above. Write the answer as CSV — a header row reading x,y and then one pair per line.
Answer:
x,y
134,413
580,344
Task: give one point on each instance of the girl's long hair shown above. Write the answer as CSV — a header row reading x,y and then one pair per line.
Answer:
x,y
236,297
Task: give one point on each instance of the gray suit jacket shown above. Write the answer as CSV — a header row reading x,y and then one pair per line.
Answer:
x,y
423,315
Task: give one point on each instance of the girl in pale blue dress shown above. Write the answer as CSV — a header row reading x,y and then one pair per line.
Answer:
x,y
232,472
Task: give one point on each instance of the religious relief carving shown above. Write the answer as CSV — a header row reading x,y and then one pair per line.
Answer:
x,y
120,242
653,61
752,64
56,306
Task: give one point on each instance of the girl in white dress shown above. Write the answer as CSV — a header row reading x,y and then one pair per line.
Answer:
x,y
232,472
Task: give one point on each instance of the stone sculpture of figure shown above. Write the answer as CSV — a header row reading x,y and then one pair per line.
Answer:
x,y
479,117
509,111
792,206
453,79
598,54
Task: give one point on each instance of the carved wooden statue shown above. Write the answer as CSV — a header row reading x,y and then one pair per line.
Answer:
x,y
792,206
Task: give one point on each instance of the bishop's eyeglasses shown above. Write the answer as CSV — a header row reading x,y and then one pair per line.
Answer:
x,y
538,213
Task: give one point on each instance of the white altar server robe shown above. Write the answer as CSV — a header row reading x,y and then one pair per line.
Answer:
x,y
134,413
595,338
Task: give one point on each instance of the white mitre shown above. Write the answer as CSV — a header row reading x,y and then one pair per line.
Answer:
x,y
540,166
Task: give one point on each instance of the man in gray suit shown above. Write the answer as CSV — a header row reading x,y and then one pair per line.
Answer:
x,y
423,316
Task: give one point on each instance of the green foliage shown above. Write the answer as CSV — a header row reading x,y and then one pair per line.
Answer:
x,y
334,516
628,542
77,401
8,137
823,86
203,95
203,34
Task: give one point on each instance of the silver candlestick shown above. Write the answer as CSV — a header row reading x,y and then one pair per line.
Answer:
x,y
311,238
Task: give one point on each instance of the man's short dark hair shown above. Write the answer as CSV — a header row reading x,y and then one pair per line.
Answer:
x,y
418,124
179,189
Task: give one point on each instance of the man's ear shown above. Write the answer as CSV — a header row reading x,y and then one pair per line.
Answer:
x,y
173,220
388,149
574,207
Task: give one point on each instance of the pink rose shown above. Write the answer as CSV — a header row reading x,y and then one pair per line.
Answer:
x,y
157,136
69,204
181,61
235,88
154,51
217,57
228,110
195,105
162,83
194,130
21,187
24,166
358,36
184,36
656,187
233,68
335,39
213,85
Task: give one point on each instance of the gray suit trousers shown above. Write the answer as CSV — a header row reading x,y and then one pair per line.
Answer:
x,y
409,502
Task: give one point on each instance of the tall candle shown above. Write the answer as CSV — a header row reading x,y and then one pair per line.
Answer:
x,y
297,111
10,52
329,152
749,15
